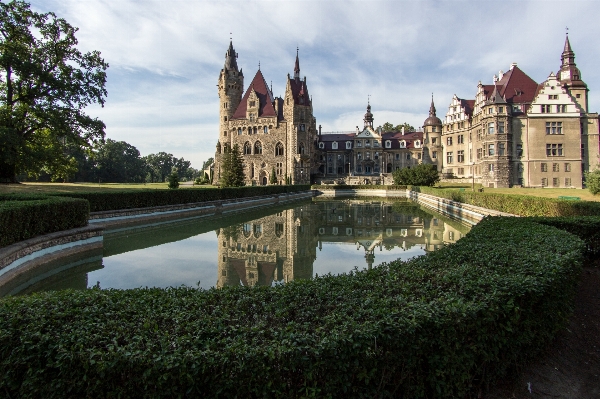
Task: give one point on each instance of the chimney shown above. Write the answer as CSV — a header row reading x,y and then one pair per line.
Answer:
x,y
357,131
319,130
514,64
402,130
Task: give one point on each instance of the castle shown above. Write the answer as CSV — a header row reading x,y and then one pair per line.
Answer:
x,y
515,132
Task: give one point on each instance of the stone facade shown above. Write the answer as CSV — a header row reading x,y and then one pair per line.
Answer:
x,y
517,132
275,135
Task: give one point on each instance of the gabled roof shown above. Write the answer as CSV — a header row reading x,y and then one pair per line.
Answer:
x,y
266,108
468,106
516,87
299,89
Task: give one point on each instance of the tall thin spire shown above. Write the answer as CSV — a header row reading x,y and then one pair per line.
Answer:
x,y
432,107
231,58
297,66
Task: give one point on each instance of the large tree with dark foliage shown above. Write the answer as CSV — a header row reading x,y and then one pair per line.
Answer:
x,y
232,168
419,175
119,162
45,84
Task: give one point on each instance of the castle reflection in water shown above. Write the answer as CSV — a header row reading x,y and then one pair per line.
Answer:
x,y
283,246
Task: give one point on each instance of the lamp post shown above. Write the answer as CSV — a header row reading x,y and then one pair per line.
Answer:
x,y
301,176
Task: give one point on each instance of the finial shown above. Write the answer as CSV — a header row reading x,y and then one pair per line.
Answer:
x,y
567,29
297,49
259,65
230,36
368,99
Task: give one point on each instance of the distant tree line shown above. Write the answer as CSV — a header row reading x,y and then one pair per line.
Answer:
x,y
112,161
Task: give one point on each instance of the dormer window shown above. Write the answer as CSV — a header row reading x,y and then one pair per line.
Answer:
x,y
334,145
402,143
252,104
348,145
417,143
388,144
321,145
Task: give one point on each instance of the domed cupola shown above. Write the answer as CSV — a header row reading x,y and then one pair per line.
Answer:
x,y
432,120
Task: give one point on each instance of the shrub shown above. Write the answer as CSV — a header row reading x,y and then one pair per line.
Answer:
x,y
323,187
27,216
523,205
442,325
174,180
109,200
419,175
592,181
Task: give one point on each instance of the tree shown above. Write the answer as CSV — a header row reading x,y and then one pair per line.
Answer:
x,y
273,179
174,179
207,163
159,166
388,127
118,162
592,181
419,175
45,83
232,168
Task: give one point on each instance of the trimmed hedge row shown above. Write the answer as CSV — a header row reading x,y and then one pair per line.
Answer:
x,y
110,200
523,205
441,325
25,216
357,187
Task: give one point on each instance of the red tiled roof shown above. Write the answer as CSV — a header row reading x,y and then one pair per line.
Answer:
x,y
468,105
299,89
240,267
516,87
259,85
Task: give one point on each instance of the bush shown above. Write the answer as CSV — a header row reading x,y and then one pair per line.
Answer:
x,y
442,325
419,175
109,200
27,216
592,181
523,205
174,180
323,187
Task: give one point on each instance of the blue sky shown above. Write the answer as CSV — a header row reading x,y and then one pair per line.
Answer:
x,y
165,57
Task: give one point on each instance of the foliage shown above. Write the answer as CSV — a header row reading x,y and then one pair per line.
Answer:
x,y
419,175
108,200
118,162
26,216
159,167
232,168
388,127
174,179
592,181
45,84
207,163
523,205
273,178
442,325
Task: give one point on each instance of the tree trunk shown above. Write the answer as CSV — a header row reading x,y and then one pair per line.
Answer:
x,y
8,172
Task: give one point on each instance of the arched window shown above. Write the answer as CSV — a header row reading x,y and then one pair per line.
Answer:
x,y
257,148
255,130
239,131
301,148
388,144
247,149
265,130
321,145
279,150
348,145
334,145
402,144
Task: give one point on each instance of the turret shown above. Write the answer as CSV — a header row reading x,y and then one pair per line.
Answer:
x,y
570,76
231,86
368,116
432,138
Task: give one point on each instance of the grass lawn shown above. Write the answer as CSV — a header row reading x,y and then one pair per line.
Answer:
x,y
75,187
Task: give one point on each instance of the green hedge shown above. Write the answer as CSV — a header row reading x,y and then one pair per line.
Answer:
x,y
26,216
523,205
441,325
357,187
127,199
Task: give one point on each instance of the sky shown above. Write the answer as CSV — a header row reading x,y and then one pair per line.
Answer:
x,y
165,57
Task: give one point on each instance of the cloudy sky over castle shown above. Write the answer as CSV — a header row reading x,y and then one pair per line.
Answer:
x,y
165,57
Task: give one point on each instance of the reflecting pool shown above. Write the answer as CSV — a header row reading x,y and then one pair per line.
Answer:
x,y
259,247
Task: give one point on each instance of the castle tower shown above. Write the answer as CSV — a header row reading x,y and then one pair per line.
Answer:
x,y
570,76
301,126
432,137
368,117
231,86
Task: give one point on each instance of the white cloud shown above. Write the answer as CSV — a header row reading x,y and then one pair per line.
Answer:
x,y
165,57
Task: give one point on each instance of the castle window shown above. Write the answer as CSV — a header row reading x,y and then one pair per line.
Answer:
x,y
334,145
544,167
321,145
239,131
449,141
279,150
301,148
568,168
577,95
397,157
553,127
434,155
546,108
519,150
491,150
252,103
555,167
501,148
255,131
567,182
251,117
434,140
554,150
257,148
279,168
225,118
225,134
265,130
491,128
402,144
460,155
544,182
500,109
460,139
348,145
247,148
388,144
449,158
302,127
491,167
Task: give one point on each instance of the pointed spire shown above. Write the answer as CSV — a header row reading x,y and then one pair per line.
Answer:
x,y
568,56
368,116
297,66
432,107
231,58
